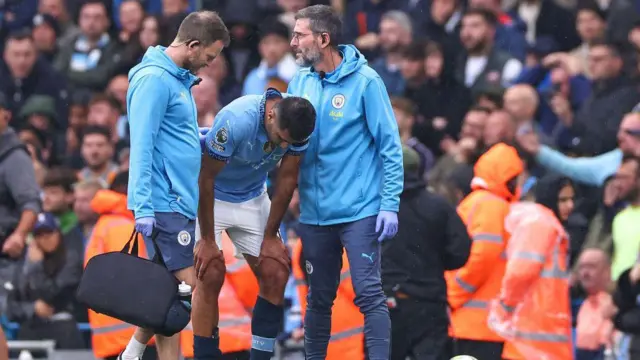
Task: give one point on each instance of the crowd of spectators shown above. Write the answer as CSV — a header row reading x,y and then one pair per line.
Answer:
x,y
557,78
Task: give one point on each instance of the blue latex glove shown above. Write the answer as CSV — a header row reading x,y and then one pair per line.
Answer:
x,y
203,137
145,225
387,221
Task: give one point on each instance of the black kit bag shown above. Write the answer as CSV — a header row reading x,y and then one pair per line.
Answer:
x,y
135,290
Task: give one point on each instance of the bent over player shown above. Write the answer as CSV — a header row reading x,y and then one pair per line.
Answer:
x,y
166,155
248,139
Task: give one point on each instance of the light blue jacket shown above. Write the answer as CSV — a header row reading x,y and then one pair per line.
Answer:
x,y
165,147
352,168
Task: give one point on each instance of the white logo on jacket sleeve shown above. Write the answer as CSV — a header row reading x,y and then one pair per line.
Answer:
x,y
338,101
184,238
309,267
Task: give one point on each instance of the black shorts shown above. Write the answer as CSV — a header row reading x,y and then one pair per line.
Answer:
x,y
176,239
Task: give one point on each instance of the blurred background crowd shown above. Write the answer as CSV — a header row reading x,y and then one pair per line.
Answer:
x,y
559,79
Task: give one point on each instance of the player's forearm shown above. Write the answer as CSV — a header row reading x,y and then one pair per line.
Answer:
x,y
205,209
285,187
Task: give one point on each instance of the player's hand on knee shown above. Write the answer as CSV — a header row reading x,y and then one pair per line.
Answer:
x,y
273,248
206,255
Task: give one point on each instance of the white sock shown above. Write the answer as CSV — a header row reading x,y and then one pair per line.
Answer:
x,y
134,350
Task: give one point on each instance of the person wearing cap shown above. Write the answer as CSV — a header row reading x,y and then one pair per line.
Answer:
x,y
45,32
277,60
42,292
431,239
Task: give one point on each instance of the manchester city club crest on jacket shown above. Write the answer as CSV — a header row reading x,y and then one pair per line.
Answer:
x,y
337,101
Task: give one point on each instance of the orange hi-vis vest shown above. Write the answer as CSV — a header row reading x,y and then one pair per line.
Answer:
x,y
533,311
472,287
347,322
237,297
110,336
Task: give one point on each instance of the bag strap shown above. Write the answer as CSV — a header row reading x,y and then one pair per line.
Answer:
x,y
11,150
158,258
134,246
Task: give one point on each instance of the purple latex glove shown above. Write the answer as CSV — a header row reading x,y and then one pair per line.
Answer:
x,y
145,225
387,221
203,138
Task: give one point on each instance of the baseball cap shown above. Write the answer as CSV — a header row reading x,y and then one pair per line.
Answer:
x,y
46,222
410,159
46,19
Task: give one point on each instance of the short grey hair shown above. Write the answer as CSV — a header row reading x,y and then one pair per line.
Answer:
x,y
399,17
323,19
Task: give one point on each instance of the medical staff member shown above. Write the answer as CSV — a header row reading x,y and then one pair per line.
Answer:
x,y
165,161
351,178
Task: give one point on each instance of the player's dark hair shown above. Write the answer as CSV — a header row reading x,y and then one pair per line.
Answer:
x,y
96,130
204,26
60,177
323,19
487,15
297,115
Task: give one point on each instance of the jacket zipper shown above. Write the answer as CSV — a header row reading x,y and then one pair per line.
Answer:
x,y
318,152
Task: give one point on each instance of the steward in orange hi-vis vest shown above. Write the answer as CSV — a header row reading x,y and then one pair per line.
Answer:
x,y
347,322
471,287
237,298
532,311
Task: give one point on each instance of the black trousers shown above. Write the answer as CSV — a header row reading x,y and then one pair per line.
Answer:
x,y
483,350
419,330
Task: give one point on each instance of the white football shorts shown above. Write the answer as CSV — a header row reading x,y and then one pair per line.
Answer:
x,y
244,223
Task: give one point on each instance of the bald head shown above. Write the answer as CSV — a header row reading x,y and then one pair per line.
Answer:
x,y
500,127
629,134
594,270
521,101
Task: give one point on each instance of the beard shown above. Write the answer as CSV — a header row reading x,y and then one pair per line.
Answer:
x,y
309,57
477,48
192,64
392,48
